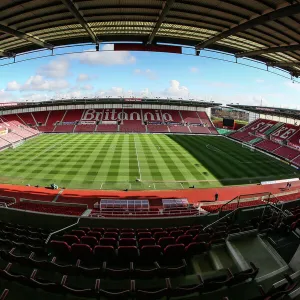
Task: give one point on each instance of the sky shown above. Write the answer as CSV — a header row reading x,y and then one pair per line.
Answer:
x,y
144,74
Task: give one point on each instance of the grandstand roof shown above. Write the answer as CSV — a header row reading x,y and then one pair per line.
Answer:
x,y
272,111
109,100
266,30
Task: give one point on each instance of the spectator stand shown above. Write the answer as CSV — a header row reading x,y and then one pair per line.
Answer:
x,y
7,201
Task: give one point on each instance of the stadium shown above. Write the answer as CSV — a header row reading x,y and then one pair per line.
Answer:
x,y
150,197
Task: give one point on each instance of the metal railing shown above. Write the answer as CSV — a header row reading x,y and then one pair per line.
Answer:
x,y
62,229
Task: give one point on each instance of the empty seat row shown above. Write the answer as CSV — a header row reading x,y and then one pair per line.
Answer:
x,y
135,289
125,253
162,241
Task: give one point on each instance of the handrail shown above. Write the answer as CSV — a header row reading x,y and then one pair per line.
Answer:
x,y
238,198
215,222
55,232
280,210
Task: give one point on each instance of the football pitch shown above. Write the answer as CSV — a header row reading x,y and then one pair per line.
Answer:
x,y
137,162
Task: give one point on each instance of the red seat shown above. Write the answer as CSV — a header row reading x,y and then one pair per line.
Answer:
x,y
150,252
112,230
165,241
104,253
85,229
89,240
202,237
128,253
176,233
95,234
127,230
81,251
184,228
146,241
127,235
153,230
71,239
195,248
127,242
78,233
160,234
192,232
184,239
108,242
60,249
99,229
174,252
145,234
111,234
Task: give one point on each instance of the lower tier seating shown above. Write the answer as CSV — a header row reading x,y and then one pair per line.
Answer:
x,y
107,128
286,152
85,128
178,128
199,129
51,209
267,145
157,128
64,128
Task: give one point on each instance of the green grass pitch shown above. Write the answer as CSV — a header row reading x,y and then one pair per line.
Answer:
x,y
115,161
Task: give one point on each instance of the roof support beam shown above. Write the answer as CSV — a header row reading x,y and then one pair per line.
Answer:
x,y
268,50
25,36
6,54
75,12
283,64
260,20
167,6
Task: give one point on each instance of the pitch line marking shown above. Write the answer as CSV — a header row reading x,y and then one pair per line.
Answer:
x,y
137,158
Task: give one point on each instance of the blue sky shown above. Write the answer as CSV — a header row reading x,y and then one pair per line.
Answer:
x,y
139,74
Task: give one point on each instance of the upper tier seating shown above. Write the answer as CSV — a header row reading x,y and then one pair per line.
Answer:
x,y
27,119
41,117
285,132
294,141
190,117
55,116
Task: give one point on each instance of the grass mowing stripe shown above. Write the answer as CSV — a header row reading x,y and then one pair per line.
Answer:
x,y
88,160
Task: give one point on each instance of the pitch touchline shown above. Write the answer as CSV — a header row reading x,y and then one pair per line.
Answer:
x,y
137,158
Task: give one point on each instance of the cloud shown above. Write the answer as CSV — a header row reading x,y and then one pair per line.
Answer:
x,y
259,80
13,86
87,87
194,70
107,56
82,77
7,96
38,83
294,86
176,90
55,69
147,73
